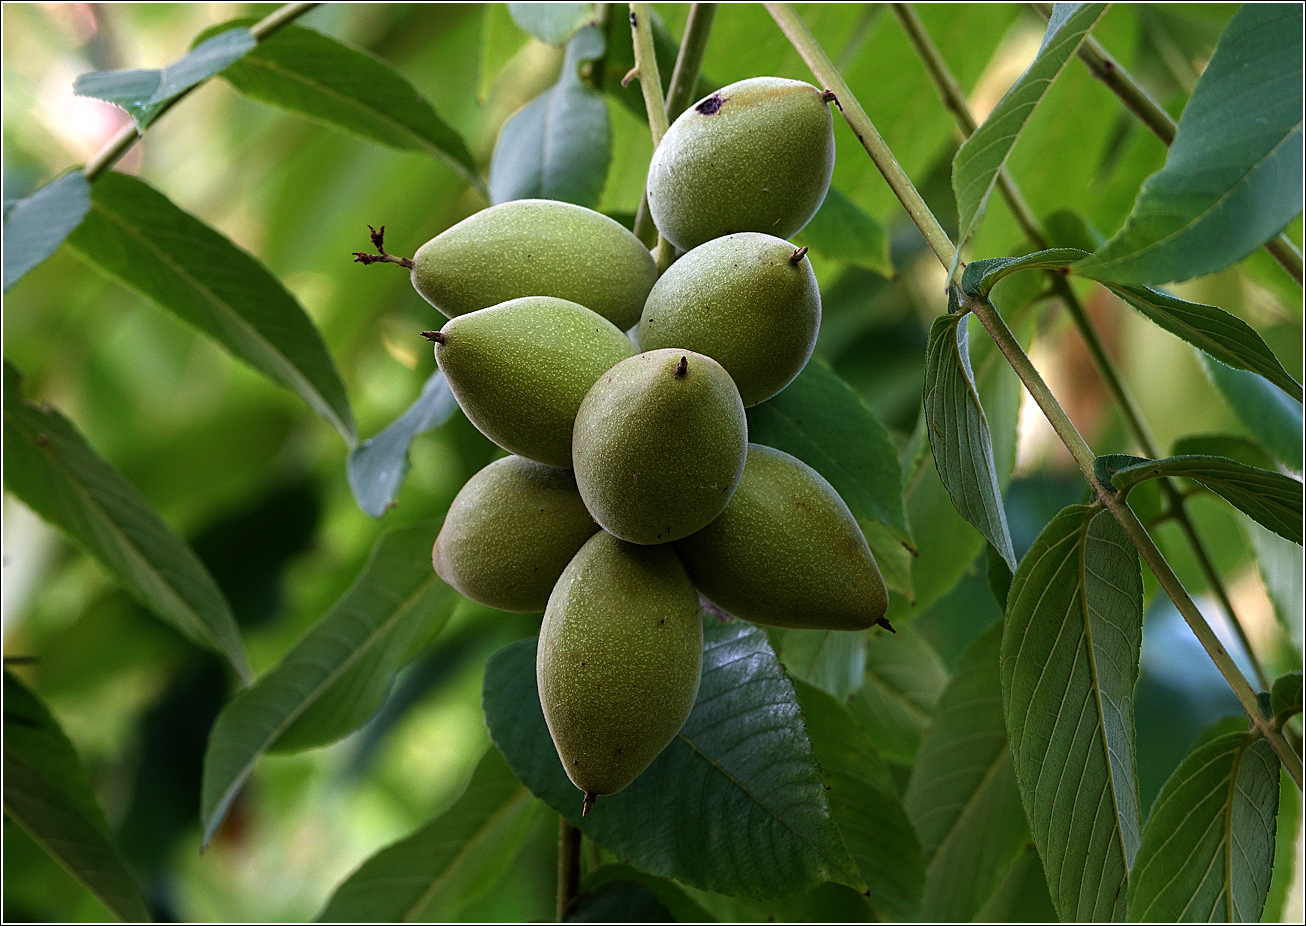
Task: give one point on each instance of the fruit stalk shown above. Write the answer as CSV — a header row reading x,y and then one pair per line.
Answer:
x,y
650,83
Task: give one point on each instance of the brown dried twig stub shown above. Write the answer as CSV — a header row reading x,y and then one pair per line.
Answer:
x,y
381,257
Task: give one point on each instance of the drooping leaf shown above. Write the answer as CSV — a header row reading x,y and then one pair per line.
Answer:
x,y
36,225
962,796
1264,409
558,146
832,660
48,793
1272,499
347,88
1233,176
551,23
904,678
1286,696
842,231
959,433
135,234
337,675
1070,650
1208,848
430,875
378,466
979,159
52,470
734,804
866,806
980,276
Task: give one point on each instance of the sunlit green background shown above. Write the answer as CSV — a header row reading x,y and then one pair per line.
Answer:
x,y
257,482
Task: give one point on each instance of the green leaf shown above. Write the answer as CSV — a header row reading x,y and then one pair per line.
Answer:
x,y
866,806
1233,176
959,433
501,40
346,88
822,421
559,145
980,276
53,471
1070,650
337,675
1224,337
377,467
1285,696
979,159
1208,848
36,225
734,804
1267,412
998,574
832,660
904,678
669,894
1229,446
135,234
430,875
618,902
1272,499
962,795
1283,574
48,793
842,231
145,93
551,23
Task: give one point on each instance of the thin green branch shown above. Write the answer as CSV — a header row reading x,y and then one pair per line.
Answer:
x,y
1137,100
121,143
569,839
807,46
954,99
650,83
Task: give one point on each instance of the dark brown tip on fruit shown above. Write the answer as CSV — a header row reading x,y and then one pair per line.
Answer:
x,y
436,336
797,256
828,96
590,797
682,367
883,622
711,106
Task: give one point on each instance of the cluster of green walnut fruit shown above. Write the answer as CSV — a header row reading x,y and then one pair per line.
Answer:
x,y
632,487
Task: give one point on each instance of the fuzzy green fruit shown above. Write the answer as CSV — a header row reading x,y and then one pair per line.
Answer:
x,y
749,301
521,369
754,156
536,247
510,532
619,659
787,552
659,445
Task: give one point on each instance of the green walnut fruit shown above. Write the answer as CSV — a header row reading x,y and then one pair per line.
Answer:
x,y
754,156
536,247
659,445
787,552
619,659
749,301
521,369
510,532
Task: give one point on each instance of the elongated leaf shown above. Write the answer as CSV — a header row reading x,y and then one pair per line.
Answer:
x,y
145,92
865,804
1208,849
432,874
559,146
51,468
1229,446
347,88
1286,696
832,660
1224,337
962,795
979,159
48,793
551,23
1272,499
980,276
378,466
1233,176
136,235
337,675
822,421
734,804
959,433
36,225
904,678
1266,411
1070,650
842,231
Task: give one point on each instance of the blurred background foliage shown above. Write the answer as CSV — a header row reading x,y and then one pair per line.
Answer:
x,y
257,484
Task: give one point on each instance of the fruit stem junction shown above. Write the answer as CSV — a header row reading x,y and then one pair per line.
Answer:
x,y
588,804
380,257
436,336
